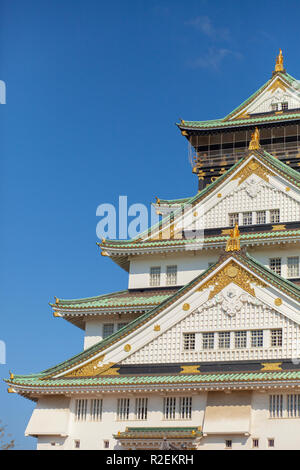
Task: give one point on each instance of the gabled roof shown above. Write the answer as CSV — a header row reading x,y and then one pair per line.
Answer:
x,y
58,374
276,166
235,118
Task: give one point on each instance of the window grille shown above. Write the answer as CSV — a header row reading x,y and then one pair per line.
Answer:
x,y
171,275
155,276
123,409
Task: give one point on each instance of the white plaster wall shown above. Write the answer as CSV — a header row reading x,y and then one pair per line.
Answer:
x,y
285,431
191,264
94,326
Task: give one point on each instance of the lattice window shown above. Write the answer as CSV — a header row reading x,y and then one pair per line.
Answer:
x,y
171,275
284,106
189,341
261,217
240,339
169,407
81,409
293,406
121,325
123,409
257,338
293,266
275,265
276,406
141,408
224,339
247,218
96,409
274,106
108,329
208,340
271,442
185,407
274,216
155,276
233,219
276,337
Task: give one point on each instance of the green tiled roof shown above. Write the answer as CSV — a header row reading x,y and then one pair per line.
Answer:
x,y
34,380
254,266
114,300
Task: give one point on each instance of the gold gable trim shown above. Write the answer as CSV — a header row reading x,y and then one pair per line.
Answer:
x,y
91,369
278,84
271,366
232,272
253,167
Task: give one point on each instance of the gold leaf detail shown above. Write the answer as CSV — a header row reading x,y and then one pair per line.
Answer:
x,y
186,307
271,366
253,167
276,228
127,348
157,328
91,369
278,302
232,272
190,370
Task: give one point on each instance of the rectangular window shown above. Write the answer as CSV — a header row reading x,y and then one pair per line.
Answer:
x,y
257,338
240,338
276,337
77,444
276,406
293,406
224,339
141,408
188,341
208,340
261,217
155,276
284,106
247,218
233,219
169,408
81,410
271,442
171,275
255,443
228,444
96,410
121,325
185,407
274,216
293,266
123,409
108,329
275,265
106,444
274,106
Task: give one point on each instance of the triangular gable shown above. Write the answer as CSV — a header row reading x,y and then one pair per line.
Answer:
x,y
237,268
280,88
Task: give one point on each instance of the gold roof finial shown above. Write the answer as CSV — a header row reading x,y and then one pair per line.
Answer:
x,y
279,62
254,143
233,243
11,375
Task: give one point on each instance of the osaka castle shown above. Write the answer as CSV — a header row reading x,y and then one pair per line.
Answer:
x,y
202,350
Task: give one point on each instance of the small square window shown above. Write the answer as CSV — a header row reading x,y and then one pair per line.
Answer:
x,y
233,219
271,442
284,106
188,341
106,444
261,217
247,218
155,276
274,216
224,340
108,329
257,338
208,340
275,265
276,337
240,339
293,266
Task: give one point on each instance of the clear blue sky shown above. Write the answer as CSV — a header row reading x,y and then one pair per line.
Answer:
x,y
93,91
